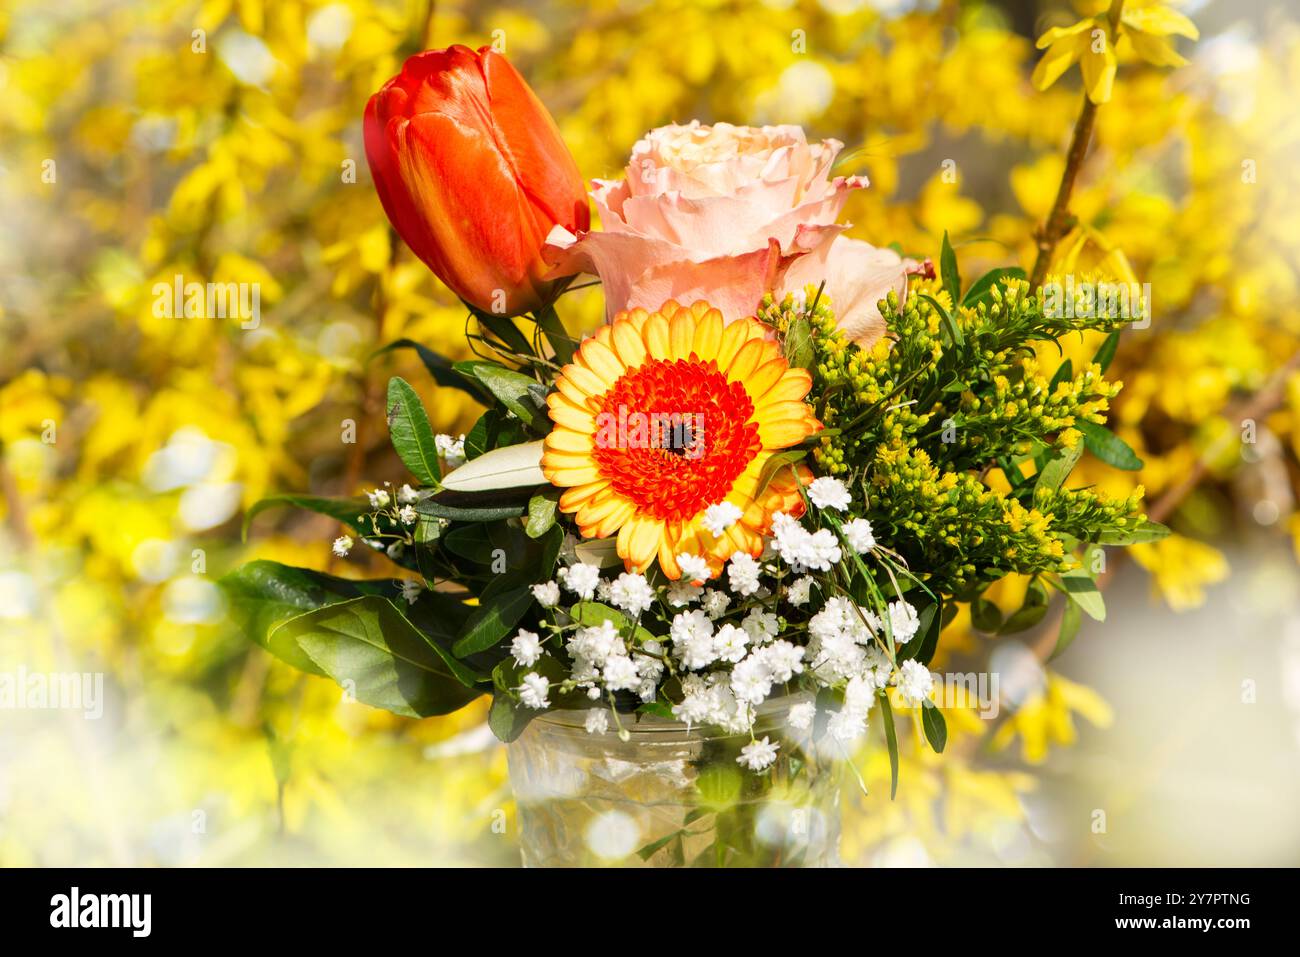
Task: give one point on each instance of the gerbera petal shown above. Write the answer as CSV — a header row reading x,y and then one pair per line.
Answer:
x,y
656,336
567,440
571,476
614,520
780,435
598,509
566,415
570,390
668,558
794,384
603,336
708,335
681,334
746,360
764,377
574,498
734,336
638,541
786,411
628,344
601,359
585,379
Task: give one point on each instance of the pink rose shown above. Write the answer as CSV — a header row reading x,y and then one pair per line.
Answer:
x,y
728,213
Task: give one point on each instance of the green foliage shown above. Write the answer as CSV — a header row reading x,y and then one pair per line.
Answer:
x,y
951,400
409,429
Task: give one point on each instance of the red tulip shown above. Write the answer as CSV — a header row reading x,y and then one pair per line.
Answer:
x,y
472,173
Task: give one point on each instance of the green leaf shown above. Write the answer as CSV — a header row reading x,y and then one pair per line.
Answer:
x,y
946,319
1108,446
923,645
656,708
601,552
1064,373
507,718
368,646
440,368
1056,471
345,510
985,616
799,351
408,427
552,543
1106,353
1148,531
948,271
513,466
485,543
262,595
491,622
561,342
541,512
517,392
982,287
1030,613
437,507
773,466
936,729
593,613
651,849
494,429
891,741
1071,619
1080,588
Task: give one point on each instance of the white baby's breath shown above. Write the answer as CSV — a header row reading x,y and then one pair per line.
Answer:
x,y
758,755
827,492
526,648
859,535
581,579
533,692
718,518
547,594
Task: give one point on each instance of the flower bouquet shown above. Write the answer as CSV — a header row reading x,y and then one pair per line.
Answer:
x,y
692,556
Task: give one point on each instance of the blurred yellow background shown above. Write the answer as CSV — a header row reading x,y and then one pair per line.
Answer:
x,y
221,141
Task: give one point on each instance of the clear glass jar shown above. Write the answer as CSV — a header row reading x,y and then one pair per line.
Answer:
x,y
671,797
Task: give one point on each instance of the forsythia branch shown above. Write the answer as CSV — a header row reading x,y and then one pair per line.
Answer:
x,y
1059,220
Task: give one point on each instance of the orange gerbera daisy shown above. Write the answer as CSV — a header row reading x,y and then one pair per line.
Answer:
x,y
661,415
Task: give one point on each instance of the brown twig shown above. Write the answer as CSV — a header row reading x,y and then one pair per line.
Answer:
x,y
1060,220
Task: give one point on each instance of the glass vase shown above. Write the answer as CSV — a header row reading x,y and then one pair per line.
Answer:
x,y
671,796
